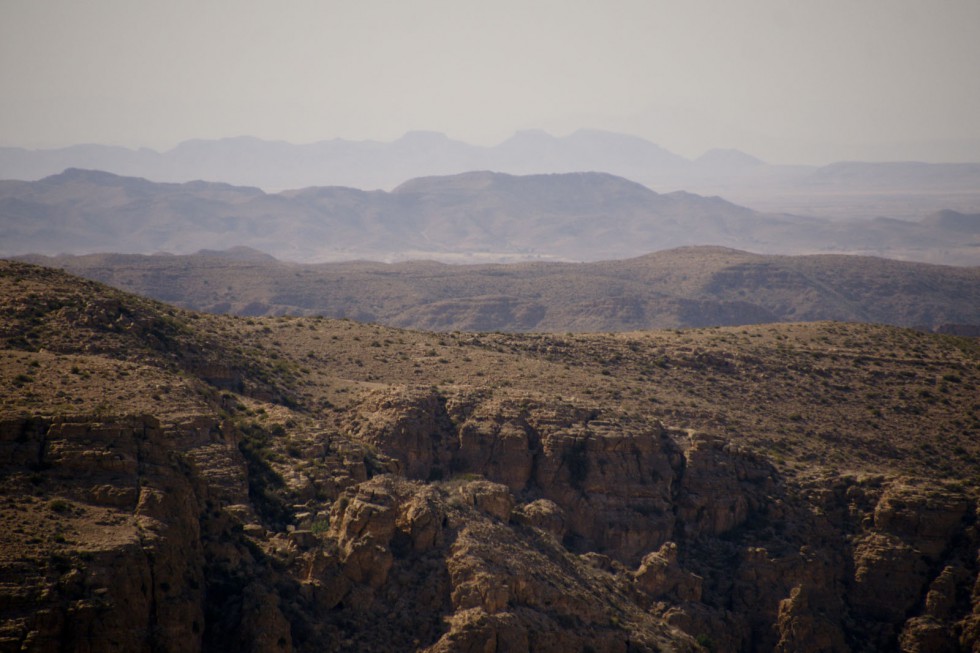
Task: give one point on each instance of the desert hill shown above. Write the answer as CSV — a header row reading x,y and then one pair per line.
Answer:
x,y
470,217
174,480
687,287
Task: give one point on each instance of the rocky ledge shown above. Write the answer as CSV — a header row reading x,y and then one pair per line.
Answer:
x,y
467,523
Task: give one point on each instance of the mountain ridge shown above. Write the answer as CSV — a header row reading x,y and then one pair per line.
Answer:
x,y
854,190
481,216
684,287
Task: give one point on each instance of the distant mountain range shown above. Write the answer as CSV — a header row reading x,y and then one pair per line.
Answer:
x,y
688,287
843,190
274,165
470,217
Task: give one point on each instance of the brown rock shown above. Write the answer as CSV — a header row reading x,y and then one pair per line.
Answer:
x,y
720,487
613,484
543,514
661,578
492,499
421,520
805,625
925,517
363,525
927,635
409,425
263,628
496,441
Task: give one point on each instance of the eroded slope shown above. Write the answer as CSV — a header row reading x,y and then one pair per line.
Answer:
x,y
175,481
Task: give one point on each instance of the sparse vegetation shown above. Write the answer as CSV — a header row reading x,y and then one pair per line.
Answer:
x,y
294,414
689,287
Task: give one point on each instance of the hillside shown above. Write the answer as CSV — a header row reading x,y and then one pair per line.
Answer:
x,y
176,481
689,287
471,217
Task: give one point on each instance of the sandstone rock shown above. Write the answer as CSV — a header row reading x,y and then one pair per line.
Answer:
x,y
421,519
661,578
720,487
263,627
409,425
304,539
922,516
970,636
712,629
471,631
503,587
558,452
942,597
543,514
805,624
613,484
888,577
719,546
364,525
496,441
492,499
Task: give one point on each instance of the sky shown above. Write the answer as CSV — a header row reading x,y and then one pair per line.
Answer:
x,y
788,81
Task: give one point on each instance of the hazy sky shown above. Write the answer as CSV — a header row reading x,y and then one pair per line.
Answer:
x,y
789,81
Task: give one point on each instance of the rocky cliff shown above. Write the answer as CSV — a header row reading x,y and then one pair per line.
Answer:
x,y
176,482
708,535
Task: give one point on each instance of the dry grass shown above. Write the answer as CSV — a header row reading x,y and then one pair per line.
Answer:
x,y
813,395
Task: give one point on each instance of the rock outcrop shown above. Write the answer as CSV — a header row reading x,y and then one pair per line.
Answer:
x,y
725,548
554,527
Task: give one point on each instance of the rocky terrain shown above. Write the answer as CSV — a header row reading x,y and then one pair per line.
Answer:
x,y
178,481
687,287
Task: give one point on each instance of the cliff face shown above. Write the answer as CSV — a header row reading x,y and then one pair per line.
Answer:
x,y
709,535
209,489
624,487
105,533
146,539
556,530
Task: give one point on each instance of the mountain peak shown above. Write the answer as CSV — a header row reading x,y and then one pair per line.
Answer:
x,y
87,176
464,180
423,136
728,158
544,183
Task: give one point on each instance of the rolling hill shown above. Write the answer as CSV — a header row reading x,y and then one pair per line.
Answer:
x,y
687,287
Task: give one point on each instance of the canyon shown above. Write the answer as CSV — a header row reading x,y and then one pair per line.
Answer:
x,y
182,481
